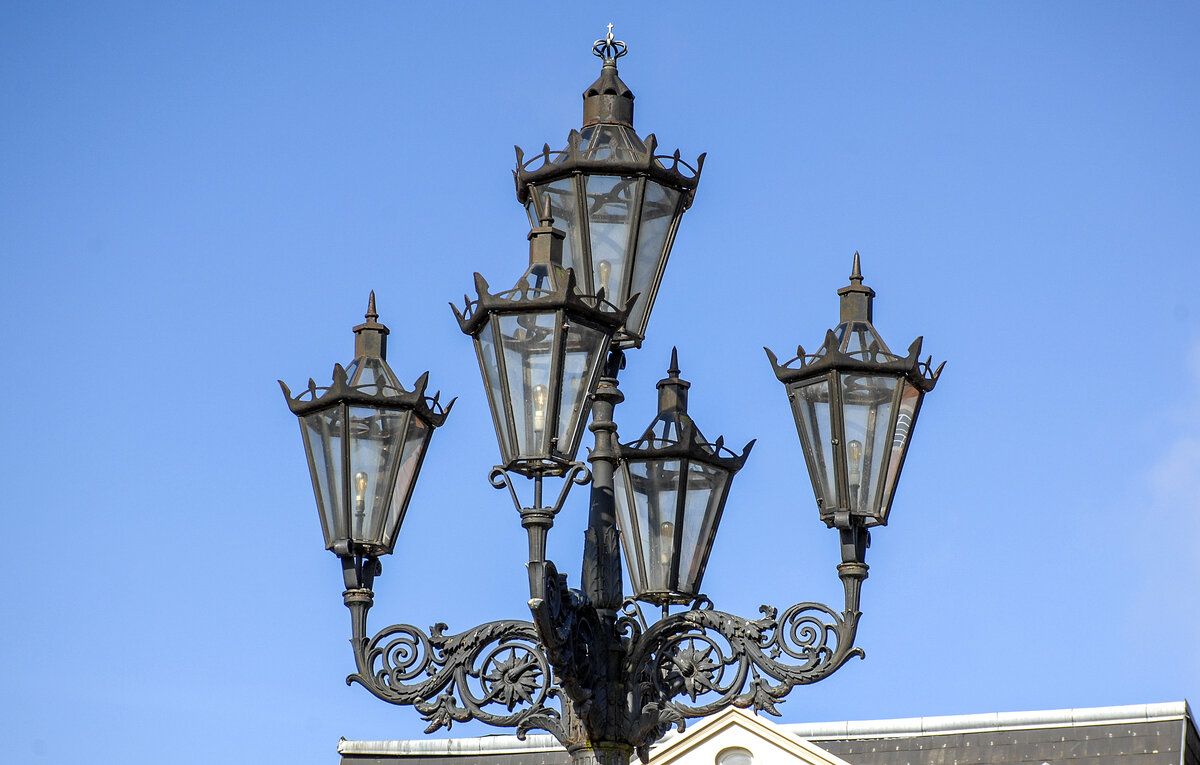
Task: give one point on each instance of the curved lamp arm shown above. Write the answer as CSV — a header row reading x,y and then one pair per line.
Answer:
x,y
496,673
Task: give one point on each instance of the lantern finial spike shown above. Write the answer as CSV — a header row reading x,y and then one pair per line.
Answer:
x,y
370,337
674,369
371,315
856,297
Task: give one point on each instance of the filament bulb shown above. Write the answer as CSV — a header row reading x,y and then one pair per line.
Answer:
x,y
540,395
360,488
668,542
855,453
604,271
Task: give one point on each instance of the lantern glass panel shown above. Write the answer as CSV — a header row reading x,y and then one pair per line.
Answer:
x,y
612,142
485,346
811,406
611,210
649,505
585,347
856,337
659,210
867,416
564,208
527,342
375,447
701,507
416,439
323,443
906,416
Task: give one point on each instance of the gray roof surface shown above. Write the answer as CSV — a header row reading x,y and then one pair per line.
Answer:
x,y
1145,734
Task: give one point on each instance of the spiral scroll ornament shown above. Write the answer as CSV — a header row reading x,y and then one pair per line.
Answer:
x,y
697,662
495,673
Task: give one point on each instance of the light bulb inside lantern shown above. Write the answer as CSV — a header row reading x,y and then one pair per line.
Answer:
x,y
540,397
667,543
604,271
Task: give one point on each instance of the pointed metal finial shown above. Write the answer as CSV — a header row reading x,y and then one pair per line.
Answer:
x,y
856,297
545,217
371,315
609,49
674,370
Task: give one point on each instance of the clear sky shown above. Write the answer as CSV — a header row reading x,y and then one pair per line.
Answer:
x,y
196,198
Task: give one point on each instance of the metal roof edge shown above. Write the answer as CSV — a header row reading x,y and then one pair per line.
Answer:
x,y
992,721
452,747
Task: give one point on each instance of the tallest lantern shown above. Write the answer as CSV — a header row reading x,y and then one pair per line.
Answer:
x,y
617,200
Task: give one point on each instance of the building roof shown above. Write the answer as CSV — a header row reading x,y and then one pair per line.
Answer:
x,y
1144,734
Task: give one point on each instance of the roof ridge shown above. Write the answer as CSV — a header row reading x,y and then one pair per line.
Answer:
x,y
945,724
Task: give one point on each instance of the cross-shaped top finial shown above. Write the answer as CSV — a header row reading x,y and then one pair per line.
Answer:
x,y
609,49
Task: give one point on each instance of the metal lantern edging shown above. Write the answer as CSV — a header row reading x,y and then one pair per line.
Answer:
x,y
670,491
365,437
855,404
541,349
619,202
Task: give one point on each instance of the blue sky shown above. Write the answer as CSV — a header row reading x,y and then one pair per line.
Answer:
x,y
195,200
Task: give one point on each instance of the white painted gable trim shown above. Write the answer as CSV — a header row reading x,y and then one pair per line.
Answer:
x,y
770,745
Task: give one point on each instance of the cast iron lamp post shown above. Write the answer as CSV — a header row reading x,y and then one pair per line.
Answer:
x,y
590,668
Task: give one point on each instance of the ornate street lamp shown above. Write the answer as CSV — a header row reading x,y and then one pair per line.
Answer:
x,y
619,202
671,488
590,668
855,404
365,437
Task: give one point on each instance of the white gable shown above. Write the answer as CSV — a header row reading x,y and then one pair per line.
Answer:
x,y
766,742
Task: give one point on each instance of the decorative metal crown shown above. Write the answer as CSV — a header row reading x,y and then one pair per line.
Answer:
x,y
575,159
873,359
609,49
565,295
380,394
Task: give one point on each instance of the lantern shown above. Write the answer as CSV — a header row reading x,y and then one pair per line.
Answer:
x,y
670,491
541,348
365,437
855,404
619,202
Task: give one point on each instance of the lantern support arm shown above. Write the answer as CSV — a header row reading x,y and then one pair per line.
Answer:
x,y
496,673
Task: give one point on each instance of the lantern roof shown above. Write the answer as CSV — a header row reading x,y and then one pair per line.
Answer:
x,y
607,144
674,434
369,380
544,286
855,345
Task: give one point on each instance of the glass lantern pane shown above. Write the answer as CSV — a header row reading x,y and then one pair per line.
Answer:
x,y
810,406
659,210
416,439
581,365
701,513
323,443
611,210
528,345
614,142
376,440
867,416
631,520
655,487
906,417
856,337
374,374
485,347
564,206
